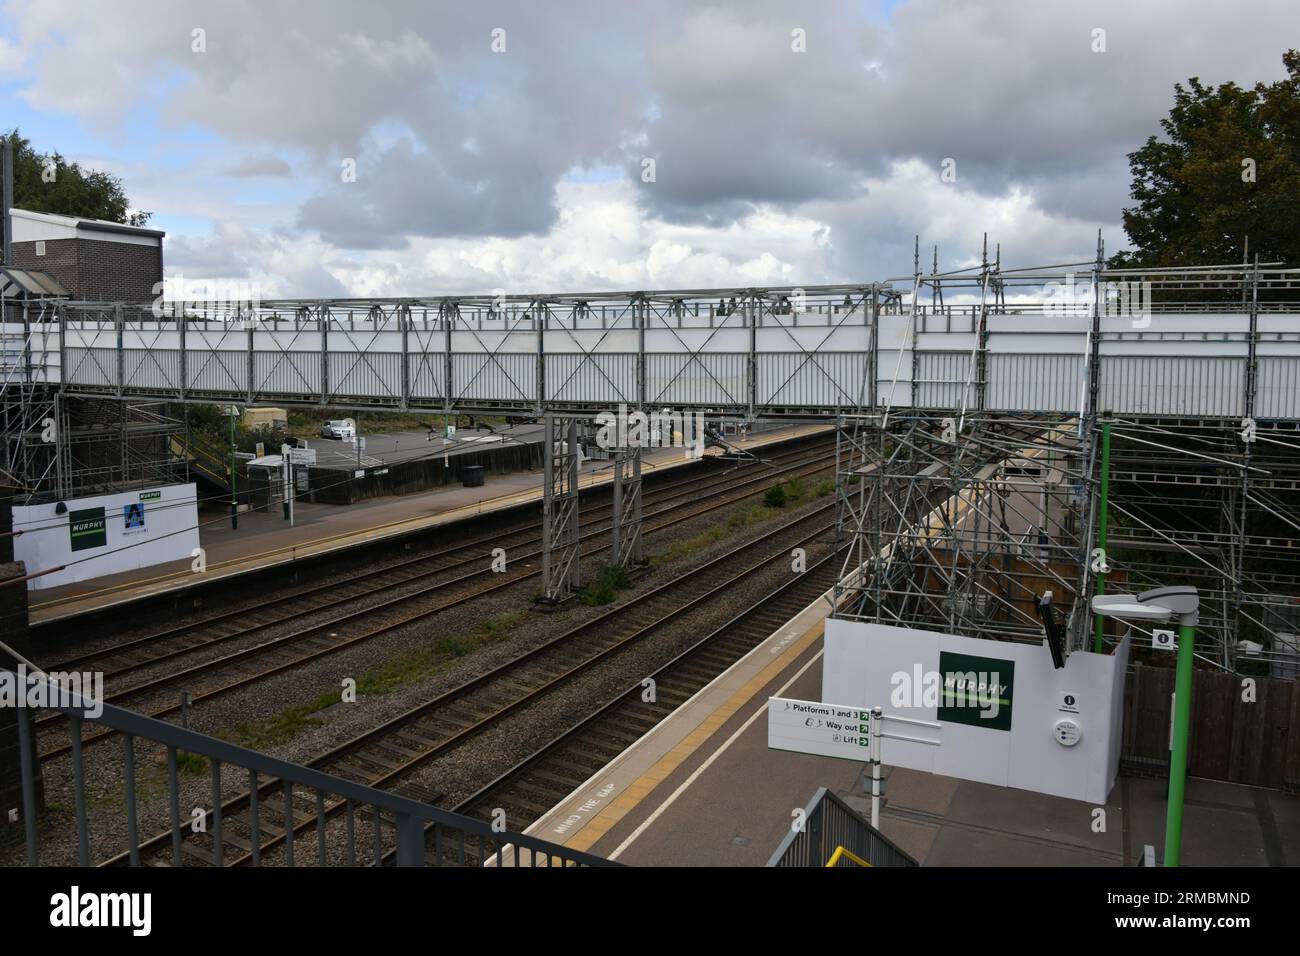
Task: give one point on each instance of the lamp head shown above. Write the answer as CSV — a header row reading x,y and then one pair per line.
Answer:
x,y
1158,604
1128,606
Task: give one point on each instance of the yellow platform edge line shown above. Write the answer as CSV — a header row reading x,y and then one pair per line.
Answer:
x,y
602,822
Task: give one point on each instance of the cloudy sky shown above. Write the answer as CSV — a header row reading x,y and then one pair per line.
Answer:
x,y
569,146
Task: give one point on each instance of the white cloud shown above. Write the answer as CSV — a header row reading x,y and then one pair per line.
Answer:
x,y
604,241
771,166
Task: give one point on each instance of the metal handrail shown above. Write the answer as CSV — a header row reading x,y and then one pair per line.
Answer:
x,y
830,825
843,854
410,816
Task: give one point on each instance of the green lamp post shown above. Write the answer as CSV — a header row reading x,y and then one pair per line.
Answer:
x,y
1179,603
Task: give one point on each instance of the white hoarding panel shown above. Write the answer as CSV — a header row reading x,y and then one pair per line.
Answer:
x,y
1008,717
106,534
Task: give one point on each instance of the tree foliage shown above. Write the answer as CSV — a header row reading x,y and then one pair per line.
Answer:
x,y
46,182
1196,203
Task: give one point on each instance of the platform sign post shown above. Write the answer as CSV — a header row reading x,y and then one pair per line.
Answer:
x,y
877,719
847,733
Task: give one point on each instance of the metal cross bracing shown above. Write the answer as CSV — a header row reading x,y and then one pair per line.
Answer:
x,y
958,531
561,558
751,352
627,549
31,416
561,555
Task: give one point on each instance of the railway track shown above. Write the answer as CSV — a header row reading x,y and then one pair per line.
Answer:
x,y
537,784
384,755
178,640
276,655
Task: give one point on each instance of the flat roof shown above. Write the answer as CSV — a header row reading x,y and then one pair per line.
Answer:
x,y
76,222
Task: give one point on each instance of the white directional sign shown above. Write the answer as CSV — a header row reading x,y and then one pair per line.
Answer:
x,y
301,456
810,727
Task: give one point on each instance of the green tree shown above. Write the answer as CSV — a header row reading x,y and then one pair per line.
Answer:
x,y
1225,179
46,182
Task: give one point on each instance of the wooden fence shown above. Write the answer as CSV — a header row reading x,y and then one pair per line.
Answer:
x,y
1255,743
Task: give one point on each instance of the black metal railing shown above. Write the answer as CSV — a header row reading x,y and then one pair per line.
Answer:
x,y
829,824
417,832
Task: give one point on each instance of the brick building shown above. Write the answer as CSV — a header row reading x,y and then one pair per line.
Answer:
x,y
92,258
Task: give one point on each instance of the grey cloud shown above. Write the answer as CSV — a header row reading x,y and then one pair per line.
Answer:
x,y
255,166
452,140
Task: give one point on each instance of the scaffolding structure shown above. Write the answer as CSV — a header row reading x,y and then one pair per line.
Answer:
x,y
54,446
1003,431
31,413
956,512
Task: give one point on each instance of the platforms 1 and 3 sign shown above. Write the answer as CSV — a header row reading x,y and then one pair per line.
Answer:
x,y
810,727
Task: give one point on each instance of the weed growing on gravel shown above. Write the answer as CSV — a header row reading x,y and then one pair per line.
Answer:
x,y
195,764
407,669
774,497
604,586
792,492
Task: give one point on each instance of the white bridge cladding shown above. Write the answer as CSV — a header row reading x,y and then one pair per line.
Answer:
x,y
744,351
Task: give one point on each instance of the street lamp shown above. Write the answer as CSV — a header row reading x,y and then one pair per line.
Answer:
x,y
1159,605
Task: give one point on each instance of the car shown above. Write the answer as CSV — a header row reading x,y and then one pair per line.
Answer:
x,y
341,428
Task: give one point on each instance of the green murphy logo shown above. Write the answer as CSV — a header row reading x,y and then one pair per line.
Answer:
x,y
151,496
86,529
976,690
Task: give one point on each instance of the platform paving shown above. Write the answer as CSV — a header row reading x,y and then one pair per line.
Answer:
x,y
265,539
703,789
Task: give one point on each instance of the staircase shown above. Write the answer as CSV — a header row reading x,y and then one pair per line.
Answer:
x,y
208,461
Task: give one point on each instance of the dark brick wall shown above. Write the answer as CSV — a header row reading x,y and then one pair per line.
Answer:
x,y
120,270
93,269
60,260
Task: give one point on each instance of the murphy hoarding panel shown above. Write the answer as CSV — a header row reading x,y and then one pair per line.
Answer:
x,y
1007,716
976,690
107,534
86,529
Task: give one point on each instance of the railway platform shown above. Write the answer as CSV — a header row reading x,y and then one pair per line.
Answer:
x,y
265,540
703,789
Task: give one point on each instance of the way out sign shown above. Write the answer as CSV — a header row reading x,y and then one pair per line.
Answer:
x,y
810,727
